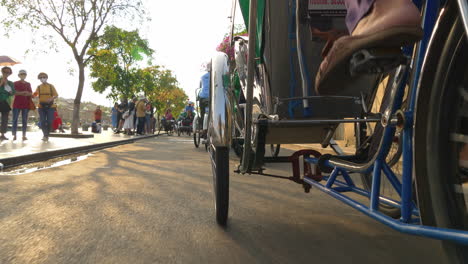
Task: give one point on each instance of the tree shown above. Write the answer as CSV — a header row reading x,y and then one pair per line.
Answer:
x,y
161,87
115,67
76,22
114,57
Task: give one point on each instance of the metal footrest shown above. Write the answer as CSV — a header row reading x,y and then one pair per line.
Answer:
x,y
302,131
328,107
371,61
312,172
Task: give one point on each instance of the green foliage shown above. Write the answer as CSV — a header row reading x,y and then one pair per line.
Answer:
x,y
162,89
114,61
116,66
75,22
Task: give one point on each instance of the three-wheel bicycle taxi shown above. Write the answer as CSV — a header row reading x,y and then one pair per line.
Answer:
x,y
408,107
200,121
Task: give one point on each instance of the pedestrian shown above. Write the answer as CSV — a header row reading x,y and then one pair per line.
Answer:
x,y
46,108
148,118
122,108
153,119
7,89
21,103
114,116
98,115
135,119
129,116
140,114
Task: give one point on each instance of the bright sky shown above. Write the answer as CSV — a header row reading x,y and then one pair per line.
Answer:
x,y
184,34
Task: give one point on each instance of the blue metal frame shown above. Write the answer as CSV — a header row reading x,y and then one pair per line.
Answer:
x,y
409,222
294,104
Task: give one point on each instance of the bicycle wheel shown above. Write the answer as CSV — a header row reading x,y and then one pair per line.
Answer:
x,y
394,161
441,134
220,170
237,148
159,129
196,138
170,131
393,158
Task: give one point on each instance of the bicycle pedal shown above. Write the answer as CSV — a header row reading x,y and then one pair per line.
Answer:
x,y
379,60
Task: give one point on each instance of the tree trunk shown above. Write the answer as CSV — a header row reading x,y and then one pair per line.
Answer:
x,y
77,102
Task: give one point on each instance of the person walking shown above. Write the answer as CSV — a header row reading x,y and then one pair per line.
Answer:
x,y
149,118
135,119
121,109
140,114
46,108
21,103
114,116
129,116
7,89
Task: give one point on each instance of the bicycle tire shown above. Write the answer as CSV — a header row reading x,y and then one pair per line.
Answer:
x,y
392,159
196,139
442,204
220,170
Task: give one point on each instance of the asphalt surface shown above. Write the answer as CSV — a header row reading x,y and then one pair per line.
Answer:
x,y
152,202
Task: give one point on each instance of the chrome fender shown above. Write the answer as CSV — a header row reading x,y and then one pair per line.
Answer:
x,y
220,114
205,121
195,124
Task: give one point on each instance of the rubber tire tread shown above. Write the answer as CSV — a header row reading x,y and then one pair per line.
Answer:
x,y
433,193
196,139
221,184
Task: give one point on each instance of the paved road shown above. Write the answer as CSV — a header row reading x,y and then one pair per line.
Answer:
x,y
151,202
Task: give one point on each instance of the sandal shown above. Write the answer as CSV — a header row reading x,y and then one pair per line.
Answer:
x,y
334,77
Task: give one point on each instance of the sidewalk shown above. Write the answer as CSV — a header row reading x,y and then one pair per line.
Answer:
x,y
34,144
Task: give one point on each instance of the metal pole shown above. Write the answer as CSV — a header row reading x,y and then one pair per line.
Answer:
x,y
233,17
250,80
300,58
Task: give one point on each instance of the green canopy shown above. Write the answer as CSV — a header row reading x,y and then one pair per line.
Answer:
x,y
244,6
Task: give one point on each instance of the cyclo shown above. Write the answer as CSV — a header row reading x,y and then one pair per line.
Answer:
x,y
167,123
200,122
408,106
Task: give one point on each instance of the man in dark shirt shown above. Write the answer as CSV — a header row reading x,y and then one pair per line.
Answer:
x,y
122,107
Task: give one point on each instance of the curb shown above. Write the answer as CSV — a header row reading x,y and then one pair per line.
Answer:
x,y
71,135
37,157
